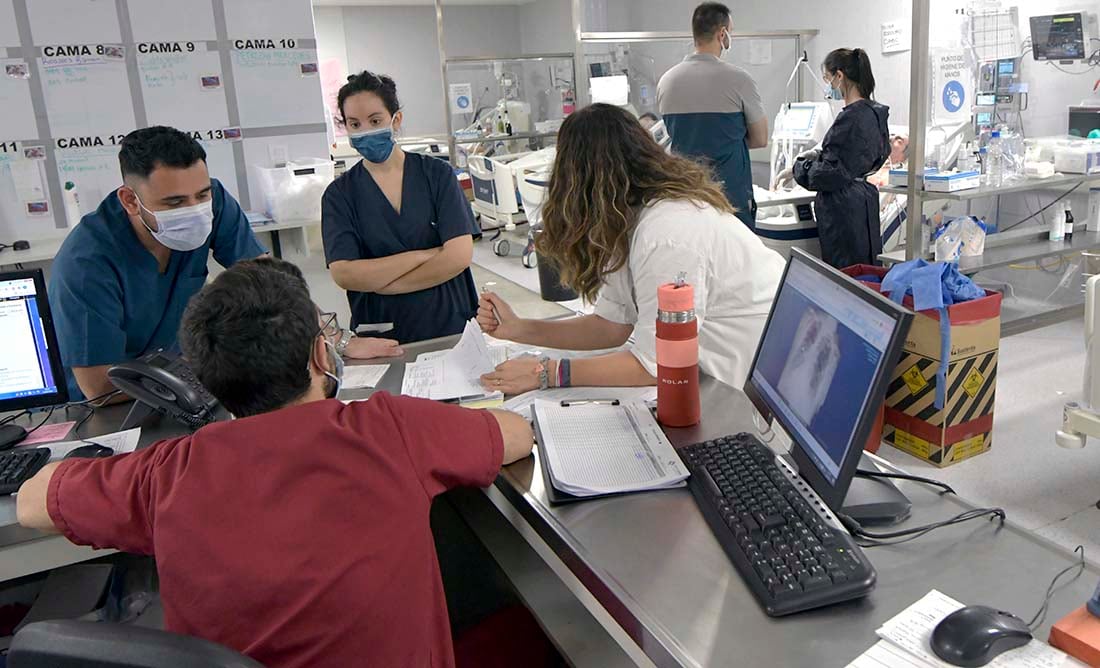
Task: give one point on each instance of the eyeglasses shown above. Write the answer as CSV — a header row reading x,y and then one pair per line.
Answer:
x,y
330,326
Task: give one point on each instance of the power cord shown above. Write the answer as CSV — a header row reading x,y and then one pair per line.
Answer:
x,y
880,539
89,404
866,473
1053,587
1040,211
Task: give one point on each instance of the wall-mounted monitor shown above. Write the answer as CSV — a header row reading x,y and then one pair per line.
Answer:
x,y
1058,37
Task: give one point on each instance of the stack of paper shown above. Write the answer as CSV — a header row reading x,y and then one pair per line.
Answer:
x,y
906,642
594,449
357,376
451,374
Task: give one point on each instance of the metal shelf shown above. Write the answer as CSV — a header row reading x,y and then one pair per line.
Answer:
x,y
508,59
660,36
512,137
1036,248
1056,181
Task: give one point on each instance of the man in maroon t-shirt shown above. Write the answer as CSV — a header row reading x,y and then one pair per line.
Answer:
x,y
298,533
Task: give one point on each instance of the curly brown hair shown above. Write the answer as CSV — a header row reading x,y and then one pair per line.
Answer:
x,y
608,168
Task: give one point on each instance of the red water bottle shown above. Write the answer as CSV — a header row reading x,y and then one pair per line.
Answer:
x,y
677,355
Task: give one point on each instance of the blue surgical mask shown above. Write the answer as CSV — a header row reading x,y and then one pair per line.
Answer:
x,y
374,145
337,376
832,92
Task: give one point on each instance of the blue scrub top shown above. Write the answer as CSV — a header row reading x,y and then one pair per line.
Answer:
x,y
720,140
359,223
109,300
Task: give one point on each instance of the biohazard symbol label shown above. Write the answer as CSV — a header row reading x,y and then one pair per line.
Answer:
x,y
914,379
973,383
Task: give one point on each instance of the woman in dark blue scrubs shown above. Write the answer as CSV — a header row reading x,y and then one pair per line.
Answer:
x,y
397,229
855,147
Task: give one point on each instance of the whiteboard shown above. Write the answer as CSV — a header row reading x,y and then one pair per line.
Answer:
x,y
260,72
98,79
168,78
95,169
55,22
221,164
268,18
170,20
15,100
15,222
87,99
9,32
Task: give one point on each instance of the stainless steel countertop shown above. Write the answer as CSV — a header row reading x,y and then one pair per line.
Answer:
x,y
654,565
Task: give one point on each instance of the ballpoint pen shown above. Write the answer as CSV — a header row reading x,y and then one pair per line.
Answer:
x,y
487,287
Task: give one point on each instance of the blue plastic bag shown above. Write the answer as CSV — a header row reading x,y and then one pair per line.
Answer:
x,y
935,285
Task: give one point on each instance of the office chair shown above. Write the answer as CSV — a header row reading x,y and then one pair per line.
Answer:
x,y
72,644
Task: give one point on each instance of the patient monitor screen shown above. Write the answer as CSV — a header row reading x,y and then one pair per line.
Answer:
x,y
817,362
798,119
1058,37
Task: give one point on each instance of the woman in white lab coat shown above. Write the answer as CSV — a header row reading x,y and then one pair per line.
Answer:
x,y
622,217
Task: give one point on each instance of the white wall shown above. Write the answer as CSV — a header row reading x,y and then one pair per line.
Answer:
x,y
546,26
331,39
401,41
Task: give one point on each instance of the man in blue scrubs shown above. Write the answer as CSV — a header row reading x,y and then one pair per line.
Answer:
x,y
712,108
119,284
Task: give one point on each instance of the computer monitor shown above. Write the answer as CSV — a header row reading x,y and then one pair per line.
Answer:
x,y
31,374
1058,37
822,368
1084,122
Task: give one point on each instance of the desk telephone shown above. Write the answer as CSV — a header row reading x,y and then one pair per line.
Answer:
x,y
161,382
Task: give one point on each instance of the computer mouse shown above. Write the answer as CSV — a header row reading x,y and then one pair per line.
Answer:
x,y
976,634
90,451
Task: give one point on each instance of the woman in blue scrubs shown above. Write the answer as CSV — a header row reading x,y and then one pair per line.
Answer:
x,y
397,229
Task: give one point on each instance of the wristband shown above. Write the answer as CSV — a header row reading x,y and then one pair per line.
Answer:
x,y
544,372
564,377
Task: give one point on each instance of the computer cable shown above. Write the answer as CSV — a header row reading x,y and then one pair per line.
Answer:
x,y
49,414
868,539
867,473
90,405
1040,211
1053,587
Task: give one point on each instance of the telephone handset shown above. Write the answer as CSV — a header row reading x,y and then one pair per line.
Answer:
x,y
161,382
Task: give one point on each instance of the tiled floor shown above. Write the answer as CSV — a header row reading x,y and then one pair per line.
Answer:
x,y
1041,486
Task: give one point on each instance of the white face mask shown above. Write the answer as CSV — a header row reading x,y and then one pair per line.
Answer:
x,y
183,229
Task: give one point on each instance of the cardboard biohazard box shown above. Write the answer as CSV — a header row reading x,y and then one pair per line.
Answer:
x,y
963,427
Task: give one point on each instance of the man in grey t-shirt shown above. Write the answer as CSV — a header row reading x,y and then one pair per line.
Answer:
x,y
712,108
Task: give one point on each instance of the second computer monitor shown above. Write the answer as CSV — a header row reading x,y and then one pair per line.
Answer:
x,y
822,367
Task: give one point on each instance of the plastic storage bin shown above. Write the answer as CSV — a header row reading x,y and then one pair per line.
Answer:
x,y
293,192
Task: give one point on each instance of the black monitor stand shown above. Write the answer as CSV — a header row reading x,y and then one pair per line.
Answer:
x,y
874,501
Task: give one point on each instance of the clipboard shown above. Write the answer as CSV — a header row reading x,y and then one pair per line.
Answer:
x,y
555,496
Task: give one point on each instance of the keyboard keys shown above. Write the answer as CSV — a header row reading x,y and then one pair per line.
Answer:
x,y
789,555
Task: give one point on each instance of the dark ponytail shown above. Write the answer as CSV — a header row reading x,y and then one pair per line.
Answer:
x,y
856,67
369,82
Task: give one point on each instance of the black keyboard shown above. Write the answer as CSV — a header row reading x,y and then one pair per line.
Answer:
x,y
792,558
17,466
